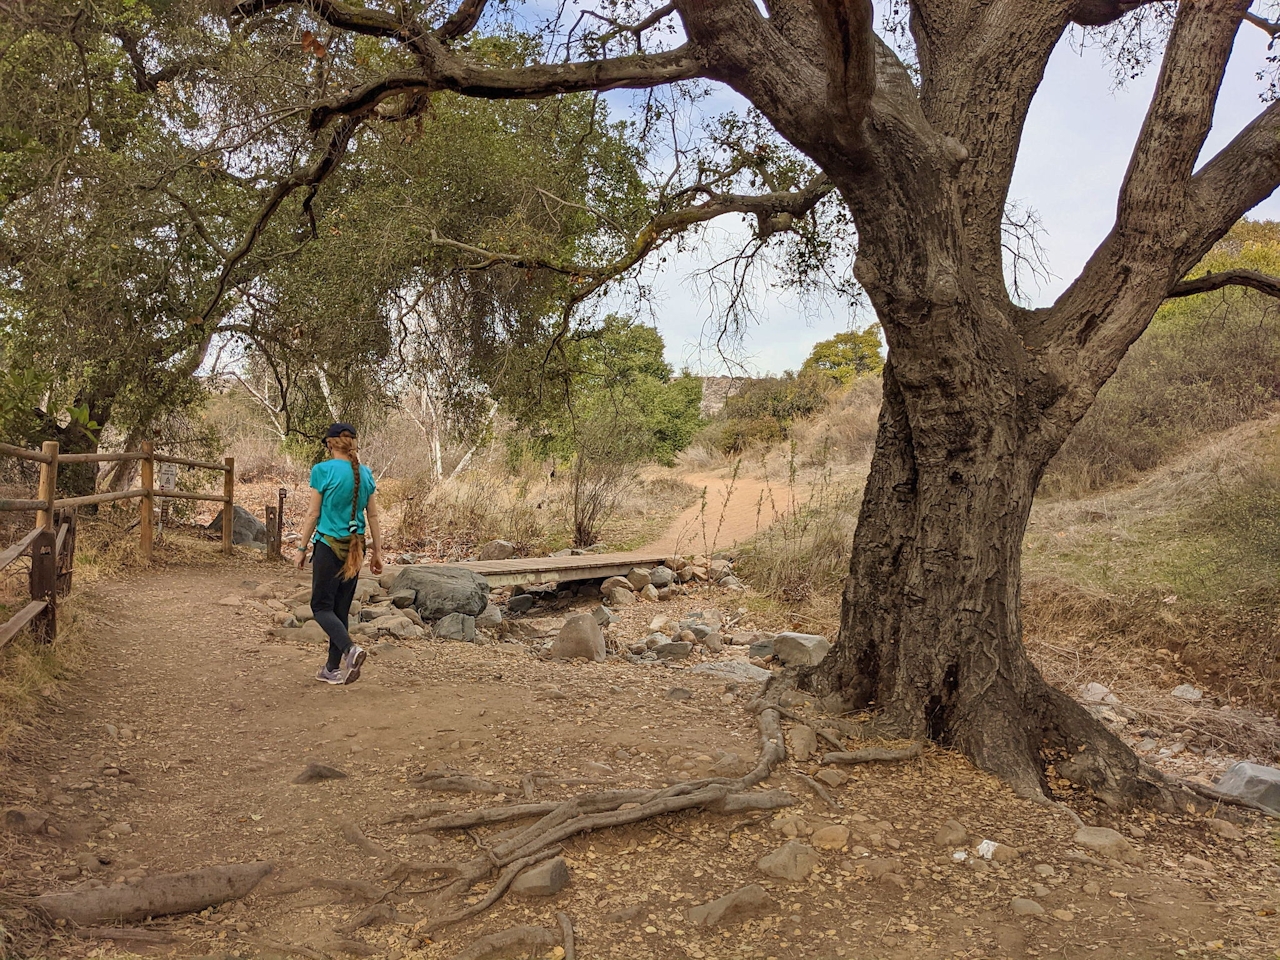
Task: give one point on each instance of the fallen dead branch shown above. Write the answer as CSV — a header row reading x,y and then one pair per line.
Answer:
x,y
873,754
460,785
530,938
294,949
379,911
820,790
155,896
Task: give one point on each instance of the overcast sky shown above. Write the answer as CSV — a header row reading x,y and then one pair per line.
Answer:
x,y
1077,144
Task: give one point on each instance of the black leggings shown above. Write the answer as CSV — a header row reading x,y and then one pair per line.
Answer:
x,y
331,598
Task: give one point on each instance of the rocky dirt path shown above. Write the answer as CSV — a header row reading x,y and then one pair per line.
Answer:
x,y
179,745
733,510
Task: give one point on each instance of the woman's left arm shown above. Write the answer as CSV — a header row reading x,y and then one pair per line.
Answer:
x,y
313,518
375,534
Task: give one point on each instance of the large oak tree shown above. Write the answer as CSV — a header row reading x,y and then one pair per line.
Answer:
x,y
979,391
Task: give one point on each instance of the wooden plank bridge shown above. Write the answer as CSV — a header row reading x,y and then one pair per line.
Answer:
x,y
526,570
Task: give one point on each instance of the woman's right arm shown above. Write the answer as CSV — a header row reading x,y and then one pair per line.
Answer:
x,y
309,529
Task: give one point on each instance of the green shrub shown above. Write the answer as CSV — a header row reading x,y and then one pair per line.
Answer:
x,y
765,410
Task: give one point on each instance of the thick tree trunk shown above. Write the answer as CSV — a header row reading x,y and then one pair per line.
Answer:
x,y
931,635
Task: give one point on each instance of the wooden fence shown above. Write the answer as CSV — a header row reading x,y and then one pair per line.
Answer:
x,y
52,542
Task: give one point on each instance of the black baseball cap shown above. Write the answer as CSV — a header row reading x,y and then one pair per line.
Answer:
x,y
338,429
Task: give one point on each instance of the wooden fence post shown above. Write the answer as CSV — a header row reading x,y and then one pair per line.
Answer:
x,y
146,507
228,508
66,545
48,491
44,585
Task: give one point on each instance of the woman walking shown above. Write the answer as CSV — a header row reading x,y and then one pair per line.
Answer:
x,y
341,499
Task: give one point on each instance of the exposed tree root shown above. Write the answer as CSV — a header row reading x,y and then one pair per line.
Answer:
x,y
820,790
294,949
355,888
356,838
530,938
1217,796
556,823
873,754
379,911
566,936
130,934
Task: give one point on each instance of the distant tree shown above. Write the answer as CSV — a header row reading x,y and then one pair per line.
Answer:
x,y
847,356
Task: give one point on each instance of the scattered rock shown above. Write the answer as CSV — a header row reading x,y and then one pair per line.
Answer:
x,y
521,604
877,867
457,626
1107,842
761,649
802,741
400,599
1095,693
440,590
799,649
661,577
743,904
951,834
639,578
1225,829
603,616
314,772
580,636
245,527
1255,783
675,650
999,852
545,879
1044,870
490,618
402,628
649,592
24,819
497,550
792,861
830,838
738,670
1023,907
832,777
1066,916
713,642
679,693
1185,691
615,583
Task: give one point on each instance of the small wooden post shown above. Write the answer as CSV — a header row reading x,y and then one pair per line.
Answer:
x,y
146,505
228,508
273,530
44,585
48,491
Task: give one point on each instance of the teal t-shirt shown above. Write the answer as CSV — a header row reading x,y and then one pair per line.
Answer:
x,y
334,479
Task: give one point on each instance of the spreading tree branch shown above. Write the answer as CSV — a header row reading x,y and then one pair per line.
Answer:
x,y
848,39
1227,278
463,21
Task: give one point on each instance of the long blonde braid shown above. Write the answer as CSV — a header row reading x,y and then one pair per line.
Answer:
x,y
346,445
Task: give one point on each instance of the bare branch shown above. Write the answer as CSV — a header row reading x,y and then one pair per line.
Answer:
x,y
1262,23
1228,278
449,72
1099,13
463,21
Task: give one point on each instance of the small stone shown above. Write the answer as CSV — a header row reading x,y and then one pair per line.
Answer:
x,y
676,650
951,834
490,618
1023,907
661,577
878,867
1040,890
1094,693
1066,916
580,637
497,550
121,829
1044,870
456,626
638,579
1253,782
746,903
545,879
802,741
314,772
1225,829
521,604
679,693
619,597
830,838
792,861
1107,842
714,643
24,819
1004,853
1186,691
1091,889
649,592
831,777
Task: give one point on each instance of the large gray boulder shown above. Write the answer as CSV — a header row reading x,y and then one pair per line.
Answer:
x,y
245,527
580,636
440,590
1255,783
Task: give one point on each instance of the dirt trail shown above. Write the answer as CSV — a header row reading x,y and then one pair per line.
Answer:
x,y
207,721
733,510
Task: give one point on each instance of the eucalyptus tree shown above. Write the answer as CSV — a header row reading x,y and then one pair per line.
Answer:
x,y
919,134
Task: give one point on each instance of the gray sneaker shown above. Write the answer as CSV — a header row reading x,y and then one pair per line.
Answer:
x,y
329,676
352,662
